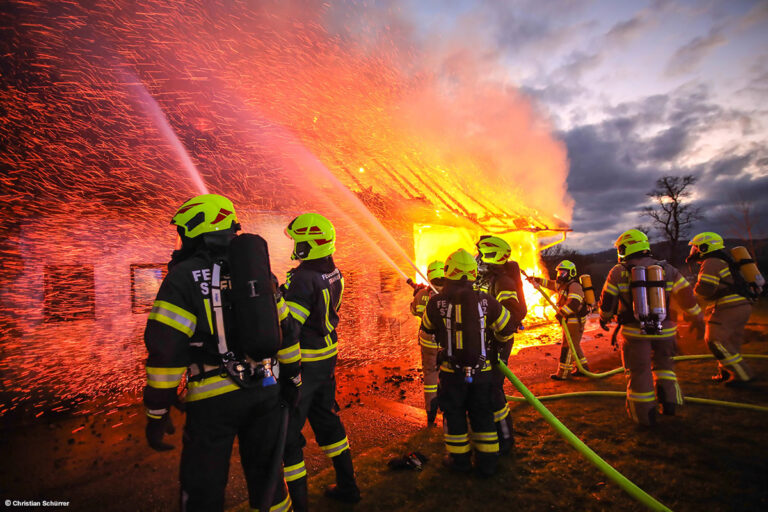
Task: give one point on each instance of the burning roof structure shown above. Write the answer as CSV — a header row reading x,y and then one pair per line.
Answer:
x,y
117,112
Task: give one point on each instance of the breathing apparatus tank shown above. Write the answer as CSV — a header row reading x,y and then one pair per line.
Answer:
x,y
649,297
657,298
639,294
589,292
747,268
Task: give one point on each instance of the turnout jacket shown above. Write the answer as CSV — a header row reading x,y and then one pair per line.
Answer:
x,y
504,289
570,298
418,306
502,323
181,334
616,297
313,293
716,285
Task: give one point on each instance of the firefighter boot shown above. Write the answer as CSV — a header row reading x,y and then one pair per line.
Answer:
x,y
432,413
722,375
345,489
667,408
298,491
506,436
578,373
458,462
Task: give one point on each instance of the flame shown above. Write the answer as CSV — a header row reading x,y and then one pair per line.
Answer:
x,y
115,113
435,242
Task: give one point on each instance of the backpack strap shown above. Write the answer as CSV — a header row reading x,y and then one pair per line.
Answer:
x,y
218,308
482,333
449,329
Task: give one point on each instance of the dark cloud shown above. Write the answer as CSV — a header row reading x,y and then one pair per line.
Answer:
x,y
556,94
614,164
725,198
624,31
730,166
669,144
688,56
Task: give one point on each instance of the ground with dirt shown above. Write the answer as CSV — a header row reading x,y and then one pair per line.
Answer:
x,y
705,458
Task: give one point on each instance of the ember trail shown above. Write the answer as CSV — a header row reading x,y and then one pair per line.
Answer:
x,y
92,167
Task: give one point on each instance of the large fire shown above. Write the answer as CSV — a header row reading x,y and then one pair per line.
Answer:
x,y
116,112
435,242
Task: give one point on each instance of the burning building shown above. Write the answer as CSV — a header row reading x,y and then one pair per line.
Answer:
x,y
116,114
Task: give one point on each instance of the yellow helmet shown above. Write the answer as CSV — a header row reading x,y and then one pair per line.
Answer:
x,y
435,270
493,250
460,264
313,237
630,242
566,270
205,214
704,243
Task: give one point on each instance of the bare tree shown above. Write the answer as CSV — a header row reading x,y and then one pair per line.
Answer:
x,y
743,223
671,216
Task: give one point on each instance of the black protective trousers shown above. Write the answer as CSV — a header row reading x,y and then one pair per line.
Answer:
x,y
459,400
318,405
499,404
254,416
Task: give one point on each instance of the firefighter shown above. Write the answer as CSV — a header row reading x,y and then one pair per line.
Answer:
x,y
572,309
458,317
728,307
313,292
500,278
421,296
648,342
181,337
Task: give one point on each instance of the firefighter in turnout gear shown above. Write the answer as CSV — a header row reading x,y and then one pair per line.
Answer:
x,y
572,309
728,308
501,280
648,333
421,296
458,317
313,292
183,335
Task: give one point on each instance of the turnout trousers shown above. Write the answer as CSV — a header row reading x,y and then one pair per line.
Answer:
x,y
429,367
318,405
650,374
566,363
254,416
501,415
459,400
724,336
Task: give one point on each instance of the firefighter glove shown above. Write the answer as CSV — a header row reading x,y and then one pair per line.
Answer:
x,y
697,327
290,390
604,325
156,429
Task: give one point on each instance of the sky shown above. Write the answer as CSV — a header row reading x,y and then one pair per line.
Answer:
x,y
635,90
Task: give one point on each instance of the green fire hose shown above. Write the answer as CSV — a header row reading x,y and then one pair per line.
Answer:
x,y
622,481
623,394
569,340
